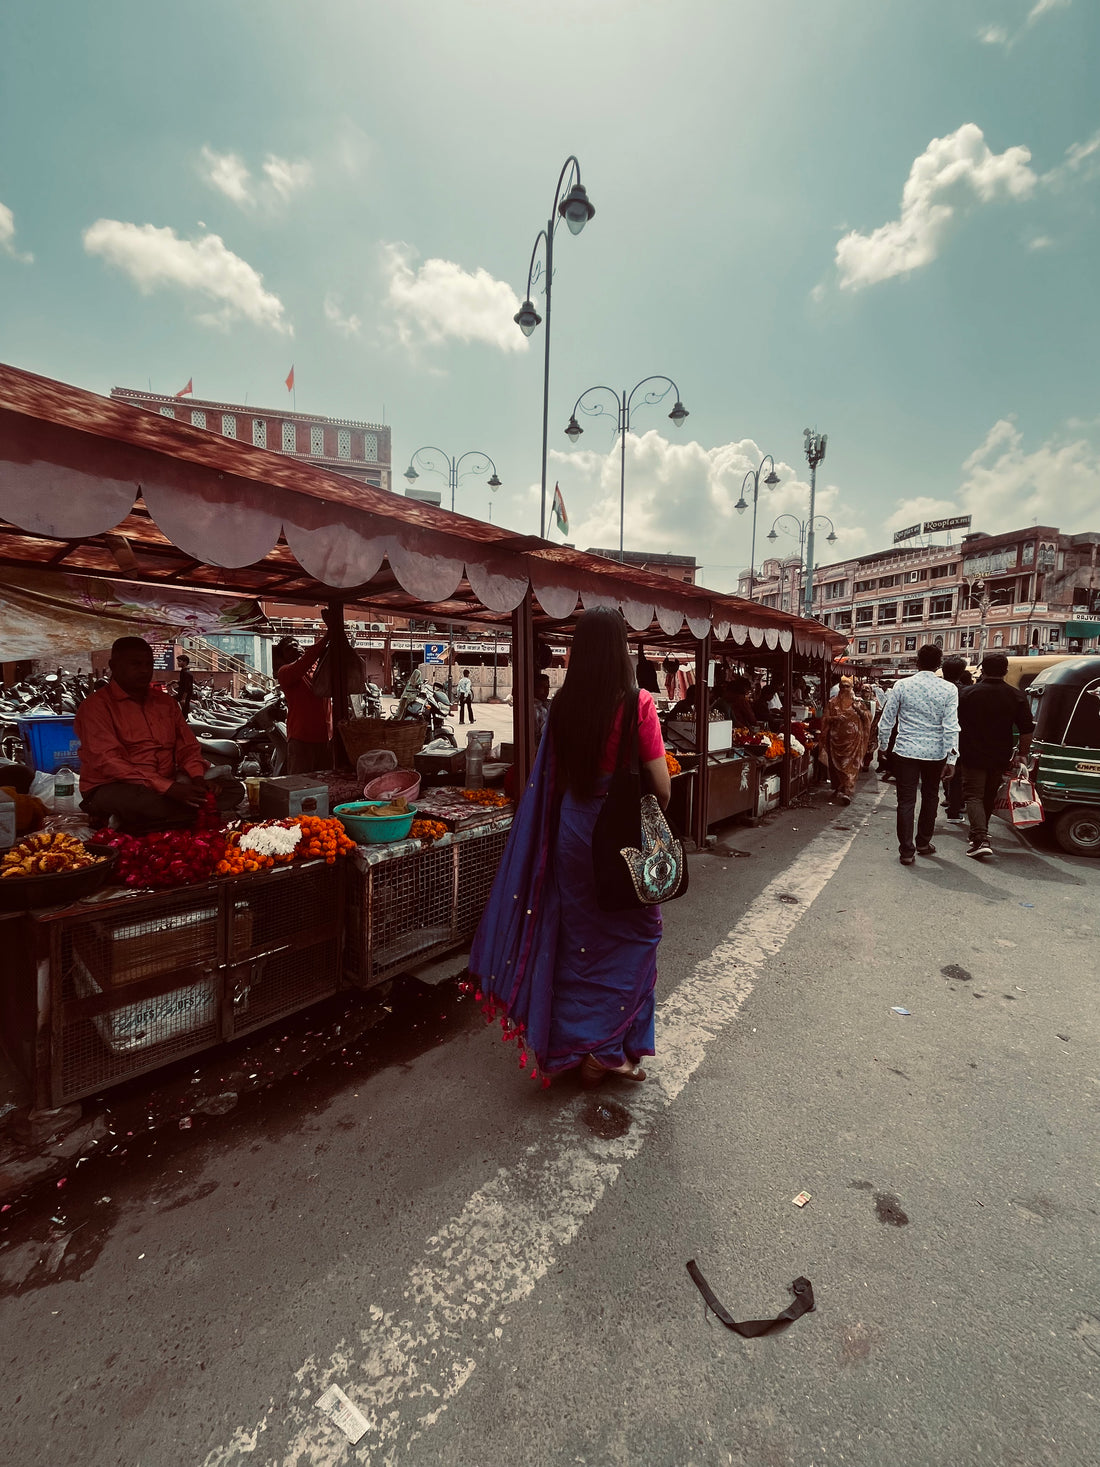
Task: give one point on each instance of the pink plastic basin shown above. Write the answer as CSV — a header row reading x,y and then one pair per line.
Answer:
x,y
390,786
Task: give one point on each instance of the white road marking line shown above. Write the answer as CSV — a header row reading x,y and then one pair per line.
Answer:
x,y
410,1362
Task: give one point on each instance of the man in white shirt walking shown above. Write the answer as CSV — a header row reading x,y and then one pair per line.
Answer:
x,y
925,710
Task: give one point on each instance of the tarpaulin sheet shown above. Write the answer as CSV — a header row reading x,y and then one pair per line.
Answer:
x,y
49,614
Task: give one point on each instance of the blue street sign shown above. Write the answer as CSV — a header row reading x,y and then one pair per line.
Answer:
x,y
433,653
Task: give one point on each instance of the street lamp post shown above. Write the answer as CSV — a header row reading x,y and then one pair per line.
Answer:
x,y
623,402
814,443
576,210
791,525
451,469
753,478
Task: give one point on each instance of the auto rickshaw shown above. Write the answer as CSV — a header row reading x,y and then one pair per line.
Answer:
x,y
1065,750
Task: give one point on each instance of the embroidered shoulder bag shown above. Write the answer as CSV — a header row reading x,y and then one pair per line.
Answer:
x,y
637,861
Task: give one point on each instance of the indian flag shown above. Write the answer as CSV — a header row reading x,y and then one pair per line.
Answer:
x,y
559,511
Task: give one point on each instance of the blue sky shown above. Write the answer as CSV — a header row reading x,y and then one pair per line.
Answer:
x,y
869,216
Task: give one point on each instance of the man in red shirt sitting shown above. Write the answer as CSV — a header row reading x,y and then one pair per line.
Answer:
x,y
308,717
139,761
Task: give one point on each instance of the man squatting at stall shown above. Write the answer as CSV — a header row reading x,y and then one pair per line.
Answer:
x,y
139,761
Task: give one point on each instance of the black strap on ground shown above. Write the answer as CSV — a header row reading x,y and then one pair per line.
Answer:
x,y
749,1329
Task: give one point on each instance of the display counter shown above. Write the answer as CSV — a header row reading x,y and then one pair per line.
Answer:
x,y
123,982
409,902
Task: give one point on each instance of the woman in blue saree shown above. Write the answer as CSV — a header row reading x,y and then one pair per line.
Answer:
x,y
571,985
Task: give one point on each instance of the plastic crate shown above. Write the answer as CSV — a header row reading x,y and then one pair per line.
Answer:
x,y
50,742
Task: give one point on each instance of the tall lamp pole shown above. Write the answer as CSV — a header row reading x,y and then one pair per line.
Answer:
x,y
814,443
576,210
451,469
623,402
791,525
753,478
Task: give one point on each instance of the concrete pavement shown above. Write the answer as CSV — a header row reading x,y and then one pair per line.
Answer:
x,y
496,1273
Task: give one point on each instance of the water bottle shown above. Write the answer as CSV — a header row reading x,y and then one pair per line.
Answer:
x,y
475,765
64,789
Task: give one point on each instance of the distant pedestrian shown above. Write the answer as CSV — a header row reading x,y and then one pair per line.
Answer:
x,y
956,671
465,694
542,704
845,730
989,713
185,685
925,711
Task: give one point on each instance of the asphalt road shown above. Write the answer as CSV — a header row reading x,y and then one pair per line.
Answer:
x,y
495,1274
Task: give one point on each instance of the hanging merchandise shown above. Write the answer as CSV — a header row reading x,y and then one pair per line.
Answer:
x,y
339,653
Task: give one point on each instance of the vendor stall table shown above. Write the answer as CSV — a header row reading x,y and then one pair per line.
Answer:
x,y
127,982
408,903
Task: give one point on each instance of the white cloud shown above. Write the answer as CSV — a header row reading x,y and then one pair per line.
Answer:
x,y
1043,7
1006,485
1082,160
7,237
154,258
680,498
284,177
441,300
230,175
998,35
1040,242
952,172
345,325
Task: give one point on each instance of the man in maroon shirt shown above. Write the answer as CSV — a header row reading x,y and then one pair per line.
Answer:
x,y
308,717
139,761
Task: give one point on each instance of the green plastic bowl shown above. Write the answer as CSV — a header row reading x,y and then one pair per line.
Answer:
x,y
373,829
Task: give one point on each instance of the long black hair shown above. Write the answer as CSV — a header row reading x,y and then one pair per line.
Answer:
x,y
600,675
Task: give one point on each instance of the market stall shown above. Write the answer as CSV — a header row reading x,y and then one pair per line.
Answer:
x,y
93,488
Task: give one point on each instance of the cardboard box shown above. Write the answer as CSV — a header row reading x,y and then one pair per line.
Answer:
x,y
293,794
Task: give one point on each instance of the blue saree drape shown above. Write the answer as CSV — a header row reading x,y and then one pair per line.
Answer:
x,y
564,978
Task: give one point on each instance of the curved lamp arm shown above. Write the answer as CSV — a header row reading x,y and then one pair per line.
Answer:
x,y
410,472
573,429
652,398
484,462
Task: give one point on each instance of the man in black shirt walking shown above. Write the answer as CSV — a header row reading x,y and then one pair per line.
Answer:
x,y
989,712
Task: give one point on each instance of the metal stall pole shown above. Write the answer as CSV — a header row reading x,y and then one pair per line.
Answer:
x,y
785,772
702,741
523,691
341,702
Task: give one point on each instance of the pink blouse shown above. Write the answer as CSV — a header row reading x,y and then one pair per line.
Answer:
x,y
650,743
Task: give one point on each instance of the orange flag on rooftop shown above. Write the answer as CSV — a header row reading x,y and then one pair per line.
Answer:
x,y
189,390
290,380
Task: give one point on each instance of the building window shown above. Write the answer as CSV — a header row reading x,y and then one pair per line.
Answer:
x,y
865,615
168,412
912,611
343,443
910,644
317,442
259,432
370,447
198,418
940,607
887,613
834,590
998,639
1029,553
229,424
861,646
939,571
290,438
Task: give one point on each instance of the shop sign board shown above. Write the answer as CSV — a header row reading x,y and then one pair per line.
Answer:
x,y
164,657
434,653
991,562
900,535
958,522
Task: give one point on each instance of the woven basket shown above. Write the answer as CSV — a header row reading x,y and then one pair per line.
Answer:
x,y
361,734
